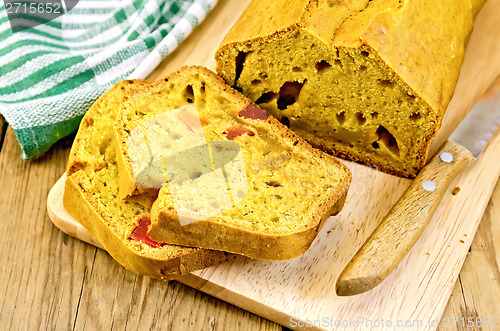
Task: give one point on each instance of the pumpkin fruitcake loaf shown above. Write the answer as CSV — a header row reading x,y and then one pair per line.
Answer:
x,y
230,176
366,80
91,196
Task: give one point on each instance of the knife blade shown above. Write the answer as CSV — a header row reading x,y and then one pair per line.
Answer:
x,y
406,221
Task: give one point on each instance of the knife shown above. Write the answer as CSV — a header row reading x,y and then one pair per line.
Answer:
x,y
405,222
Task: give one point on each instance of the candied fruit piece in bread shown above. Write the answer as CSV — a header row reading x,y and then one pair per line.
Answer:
x,y
366,80
91,197
230,176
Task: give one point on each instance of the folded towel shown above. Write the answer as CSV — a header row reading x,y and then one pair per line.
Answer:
x,y
50,74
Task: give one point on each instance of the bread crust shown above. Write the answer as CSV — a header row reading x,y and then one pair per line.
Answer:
x,y
263,246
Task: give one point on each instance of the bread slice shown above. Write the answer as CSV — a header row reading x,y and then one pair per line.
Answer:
x,y
366,80
230,176
91,197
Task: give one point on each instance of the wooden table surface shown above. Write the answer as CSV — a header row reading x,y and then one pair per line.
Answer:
x,y
49,280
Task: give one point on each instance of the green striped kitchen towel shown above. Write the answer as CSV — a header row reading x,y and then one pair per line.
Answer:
x,y
51,73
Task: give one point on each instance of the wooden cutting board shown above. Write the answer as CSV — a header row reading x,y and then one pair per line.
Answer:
x,y
302,290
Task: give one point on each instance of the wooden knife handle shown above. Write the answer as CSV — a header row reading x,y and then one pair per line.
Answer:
x,y
405,222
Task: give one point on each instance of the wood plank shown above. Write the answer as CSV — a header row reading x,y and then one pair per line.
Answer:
x,y
39,265
113,298
477,292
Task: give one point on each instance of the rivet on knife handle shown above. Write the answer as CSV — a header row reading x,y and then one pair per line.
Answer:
x,y
403,225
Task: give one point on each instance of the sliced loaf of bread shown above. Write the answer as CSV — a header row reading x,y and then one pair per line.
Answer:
x,y
366,80
91,197
230,176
